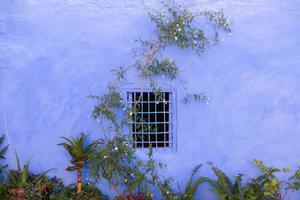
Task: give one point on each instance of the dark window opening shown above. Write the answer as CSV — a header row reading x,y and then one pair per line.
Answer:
x,y
150,123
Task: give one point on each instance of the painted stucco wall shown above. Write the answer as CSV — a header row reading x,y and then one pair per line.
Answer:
x,y
53,53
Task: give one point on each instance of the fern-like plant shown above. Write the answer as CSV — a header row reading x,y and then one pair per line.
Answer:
x,y
80,153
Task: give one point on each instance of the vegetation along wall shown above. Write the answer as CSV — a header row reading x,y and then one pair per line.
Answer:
x,y
54,53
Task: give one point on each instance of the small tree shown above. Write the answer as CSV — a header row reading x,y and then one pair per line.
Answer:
x,y
80,153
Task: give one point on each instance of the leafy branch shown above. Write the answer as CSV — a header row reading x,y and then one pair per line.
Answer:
x,y
175,26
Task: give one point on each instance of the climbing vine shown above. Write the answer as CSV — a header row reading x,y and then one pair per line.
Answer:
x,y
175,26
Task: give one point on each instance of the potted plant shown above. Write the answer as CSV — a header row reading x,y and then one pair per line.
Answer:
x,y
80,153
18,180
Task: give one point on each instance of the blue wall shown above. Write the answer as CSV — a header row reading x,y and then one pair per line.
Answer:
x,y
54,53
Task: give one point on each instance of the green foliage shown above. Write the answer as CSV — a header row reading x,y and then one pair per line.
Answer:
x,y
167,190
2,153
224,188
192,185
294,181
20,178
116,160
54,189
268,186
90,192
177,26
268,181
3,191
78,150
165,67
190,190
108,105
120,73
38,189
117,163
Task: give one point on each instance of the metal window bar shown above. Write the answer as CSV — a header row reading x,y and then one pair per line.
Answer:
x,y
142,130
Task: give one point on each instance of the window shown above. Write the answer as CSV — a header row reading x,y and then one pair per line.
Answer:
x,y
151,123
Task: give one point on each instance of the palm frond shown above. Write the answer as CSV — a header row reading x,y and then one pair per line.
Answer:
x,y
3,167
3,151
78,150
67,139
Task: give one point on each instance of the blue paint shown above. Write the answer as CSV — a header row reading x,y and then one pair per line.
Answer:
x,y
55,53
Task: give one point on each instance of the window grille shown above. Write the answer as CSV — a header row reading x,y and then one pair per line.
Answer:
x,y
151,120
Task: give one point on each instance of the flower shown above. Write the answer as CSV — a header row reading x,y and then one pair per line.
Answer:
x,y
175,38
179,29
116,148
168,192
125,180
104,156
130,113
177,25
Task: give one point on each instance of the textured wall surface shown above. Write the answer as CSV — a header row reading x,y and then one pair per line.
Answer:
x,y
53,53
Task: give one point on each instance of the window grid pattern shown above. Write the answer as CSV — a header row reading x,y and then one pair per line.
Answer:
x,y
151,123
